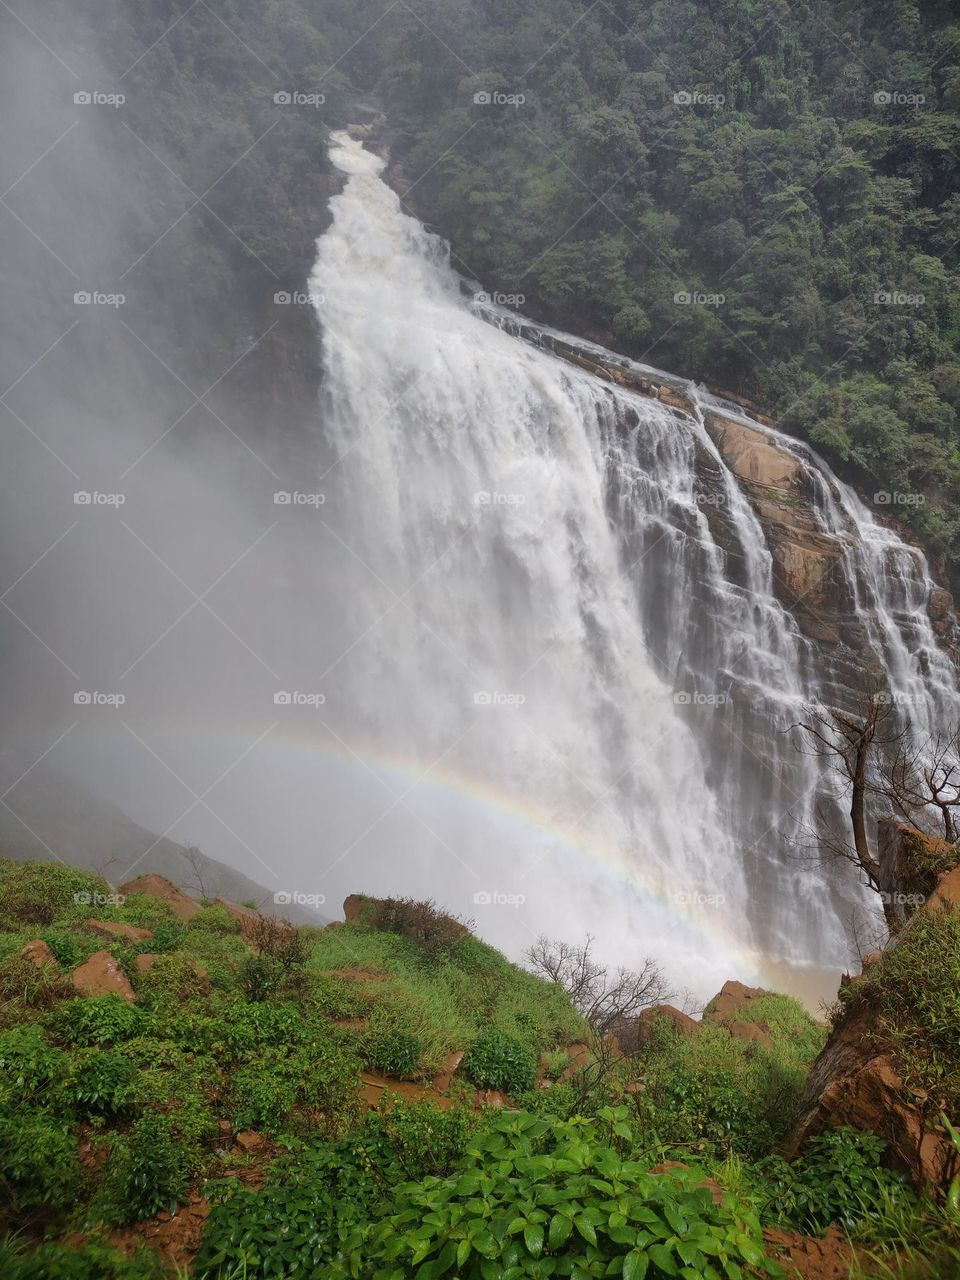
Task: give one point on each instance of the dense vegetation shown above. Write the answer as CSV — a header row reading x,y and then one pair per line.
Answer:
x,y
239,1079
793,167
762,196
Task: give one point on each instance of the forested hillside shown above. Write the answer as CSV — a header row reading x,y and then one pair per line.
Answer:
x,y
760,195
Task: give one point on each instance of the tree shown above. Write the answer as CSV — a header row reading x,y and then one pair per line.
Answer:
x,y
849,741
604,997
922,783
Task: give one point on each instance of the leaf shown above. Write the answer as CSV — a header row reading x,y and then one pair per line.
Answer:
x,y
533,1238
663,1258
586,1229
560,1228
635,1265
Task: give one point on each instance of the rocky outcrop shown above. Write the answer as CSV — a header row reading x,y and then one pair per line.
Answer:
x,y
912,867
101,976
39,954
183,908
115,929
855,1082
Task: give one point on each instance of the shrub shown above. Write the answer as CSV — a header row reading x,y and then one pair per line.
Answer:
x,y
38,1161
32,988
174,979
540,1197
394,1052
100,1020
264,1091
434,932
296,1223
838,1178
147,1171
101,1082
39,892
716,1089
259,977
915,987
30,1067
215,919
92,1261
497,1060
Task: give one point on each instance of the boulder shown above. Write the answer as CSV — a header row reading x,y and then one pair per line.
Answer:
x,y
183,908
444,1078
634,1033
753,455
39,954
114,929
754,1031
353,906
247,918
100,976
732,1000
144,961
249,1141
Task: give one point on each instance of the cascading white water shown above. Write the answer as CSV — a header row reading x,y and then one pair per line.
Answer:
x,y
539,605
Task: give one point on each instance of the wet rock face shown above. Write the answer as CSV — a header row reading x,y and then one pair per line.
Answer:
x,y
913,867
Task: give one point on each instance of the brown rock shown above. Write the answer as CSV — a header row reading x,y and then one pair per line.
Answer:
x,y
947,892
249,1141
39,954
100,976
145,961
114,929
490,1098
183,907
751,454
353,906
731,1000
751,1031
443,1080
675,399
939,604
855,1082
634,1039
912,866
827,1257
247,918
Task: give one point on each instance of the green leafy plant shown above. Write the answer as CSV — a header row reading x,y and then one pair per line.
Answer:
x,y
38,1160
535,1197
497,1060
105,1019
394,1052
101,1082
148,1171
837,1179
30,1066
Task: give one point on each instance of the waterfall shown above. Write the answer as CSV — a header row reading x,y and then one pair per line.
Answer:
x,y
544,607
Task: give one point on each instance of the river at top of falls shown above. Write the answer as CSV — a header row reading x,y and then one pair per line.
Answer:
x,y
546,633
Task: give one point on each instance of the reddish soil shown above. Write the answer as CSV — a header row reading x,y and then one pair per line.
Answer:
x,y
827,1257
